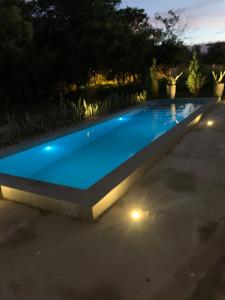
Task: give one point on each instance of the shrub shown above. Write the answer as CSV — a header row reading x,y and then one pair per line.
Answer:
x,y
154,79
196,79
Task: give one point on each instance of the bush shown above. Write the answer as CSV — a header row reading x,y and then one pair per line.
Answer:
x,y
196,79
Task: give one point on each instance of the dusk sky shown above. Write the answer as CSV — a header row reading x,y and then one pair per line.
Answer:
x,y
207,17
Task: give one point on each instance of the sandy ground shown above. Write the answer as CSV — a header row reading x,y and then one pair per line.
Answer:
x,y
176,252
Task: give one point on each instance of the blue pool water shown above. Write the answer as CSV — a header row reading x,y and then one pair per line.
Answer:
x,y
82,158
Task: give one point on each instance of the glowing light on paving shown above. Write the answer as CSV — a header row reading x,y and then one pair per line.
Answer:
x,y
210,123
121,119
136,215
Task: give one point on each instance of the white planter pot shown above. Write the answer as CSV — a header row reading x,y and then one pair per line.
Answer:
x,y
171,91
218,90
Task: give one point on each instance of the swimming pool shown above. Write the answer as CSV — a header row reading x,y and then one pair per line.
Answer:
x,y
82,158
86,164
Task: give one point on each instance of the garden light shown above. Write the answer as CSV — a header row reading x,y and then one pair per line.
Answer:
x,y
137,214
210,123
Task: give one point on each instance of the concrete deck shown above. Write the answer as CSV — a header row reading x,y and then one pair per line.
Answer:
x,y
167,255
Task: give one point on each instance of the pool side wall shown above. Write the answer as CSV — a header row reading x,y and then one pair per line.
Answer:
x,y
47,203
90,204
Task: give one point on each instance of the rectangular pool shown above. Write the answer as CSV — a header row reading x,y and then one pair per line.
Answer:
x,y
87,164
82,158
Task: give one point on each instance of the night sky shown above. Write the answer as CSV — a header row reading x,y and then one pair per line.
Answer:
x,y
207,17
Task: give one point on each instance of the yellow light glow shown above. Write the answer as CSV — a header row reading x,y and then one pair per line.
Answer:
x,y
210,123
136,215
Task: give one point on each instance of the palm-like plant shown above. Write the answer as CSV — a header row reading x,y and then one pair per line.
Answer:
x,y
218,77
171,80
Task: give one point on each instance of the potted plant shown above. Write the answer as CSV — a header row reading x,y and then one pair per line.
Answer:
x,y
171,84
218,85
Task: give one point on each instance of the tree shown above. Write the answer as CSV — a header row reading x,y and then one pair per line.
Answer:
x,y
131,42
172,28
47,44
15,35
75,40
70,37
215,53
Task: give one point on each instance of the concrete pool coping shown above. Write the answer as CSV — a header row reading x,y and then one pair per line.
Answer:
x,y
91,203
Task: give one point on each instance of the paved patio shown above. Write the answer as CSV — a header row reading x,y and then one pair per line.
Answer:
x,y
170,254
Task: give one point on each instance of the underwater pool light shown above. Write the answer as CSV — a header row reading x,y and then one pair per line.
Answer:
x,y
48,148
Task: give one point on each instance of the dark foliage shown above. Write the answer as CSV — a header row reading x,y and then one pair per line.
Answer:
x,y
47,44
